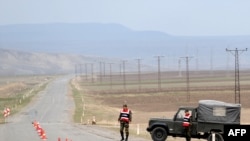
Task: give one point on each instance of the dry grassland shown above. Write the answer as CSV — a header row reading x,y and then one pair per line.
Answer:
x,y
17,91
103,100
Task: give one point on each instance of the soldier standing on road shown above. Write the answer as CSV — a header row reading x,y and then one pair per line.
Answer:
x,y
187,125
125,117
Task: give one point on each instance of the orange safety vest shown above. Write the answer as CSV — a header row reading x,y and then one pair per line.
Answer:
x,y
186,121
125,115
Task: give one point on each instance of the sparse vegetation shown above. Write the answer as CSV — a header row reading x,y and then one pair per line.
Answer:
x,y
104,100
17,92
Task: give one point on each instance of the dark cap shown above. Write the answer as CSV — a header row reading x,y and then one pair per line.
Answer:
x,y
125,105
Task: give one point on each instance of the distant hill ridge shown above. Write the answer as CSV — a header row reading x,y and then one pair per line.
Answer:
x,y
117,41
74,32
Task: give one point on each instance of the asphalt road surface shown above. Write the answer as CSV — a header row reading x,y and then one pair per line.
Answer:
x,y
52,108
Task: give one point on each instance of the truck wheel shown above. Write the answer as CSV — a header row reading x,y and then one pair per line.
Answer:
x,y
218,137
159,134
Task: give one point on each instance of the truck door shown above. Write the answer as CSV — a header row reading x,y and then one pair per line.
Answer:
x,y
178,129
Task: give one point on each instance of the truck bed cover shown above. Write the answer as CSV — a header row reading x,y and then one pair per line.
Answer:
x,y
218,112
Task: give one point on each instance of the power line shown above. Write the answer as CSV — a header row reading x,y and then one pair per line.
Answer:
x,y
124,74
159,72
86,71
139,73
237,73
187,76
75,70
110,74
92,73
179,68
100,67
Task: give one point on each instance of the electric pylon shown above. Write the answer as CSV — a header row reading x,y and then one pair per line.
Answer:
x,y
187,77
237,73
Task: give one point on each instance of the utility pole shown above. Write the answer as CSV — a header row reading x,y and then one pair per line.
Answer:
x,y
110,74
75,70
104,73
139,73
179,68
159,72
80,70
124,74
120,67
237,73
92,73
100,67
187,77
86,71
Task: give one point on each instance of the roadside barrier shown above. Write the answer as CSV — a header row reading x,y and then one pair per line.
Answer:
x,y
40,131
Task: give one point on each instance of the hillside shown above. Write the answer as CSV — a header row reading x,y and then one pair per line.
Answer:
x,y
116,41
15,62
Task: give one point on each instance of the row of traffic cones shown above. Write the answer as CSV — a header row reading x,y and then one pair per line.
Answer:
x,y
40,130
6,112
59,139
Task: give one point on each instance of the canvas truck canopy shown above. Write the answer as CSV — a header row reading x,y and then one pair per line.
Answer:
x,y
218,112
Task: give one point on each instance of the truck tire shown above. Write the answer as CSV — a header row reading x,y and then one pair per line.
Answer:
x,y
218,137
159,134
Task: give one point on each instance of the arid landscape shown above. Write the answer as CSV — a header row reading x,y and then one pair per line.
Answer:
x,y
103,100
77,62
17,91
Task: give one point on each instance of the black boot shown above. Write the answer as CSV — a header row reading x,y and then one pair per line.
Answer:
x,y
122,135
126,138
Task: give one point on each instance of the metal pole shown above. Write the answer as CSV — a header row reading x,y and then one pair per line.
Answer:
x,y
100,66
237,74
75,70
187,77
124,75
159,72
86,71
92,73
110,75
139,74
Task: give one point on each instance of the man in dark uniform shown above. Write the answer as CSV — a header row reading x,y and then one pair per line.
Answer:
x,y
125,117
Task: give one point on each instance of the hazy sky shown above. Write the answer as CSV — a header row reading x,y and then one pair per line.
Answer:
x,y
175,17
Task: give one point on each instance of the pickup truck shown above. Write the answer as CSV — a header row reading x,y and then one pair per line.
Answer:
x,y
208,120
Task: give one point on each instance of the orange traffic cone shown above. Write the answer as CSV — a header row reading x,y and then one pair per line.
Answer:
x,y
34,123
37,126
38,129
43,135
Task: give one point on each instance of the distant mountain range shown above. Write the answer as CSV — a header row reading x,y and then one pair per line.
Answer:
x,y
114,41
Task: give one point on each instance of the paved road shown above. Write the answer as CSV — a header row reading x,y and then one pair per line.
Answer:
x,y
52,108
